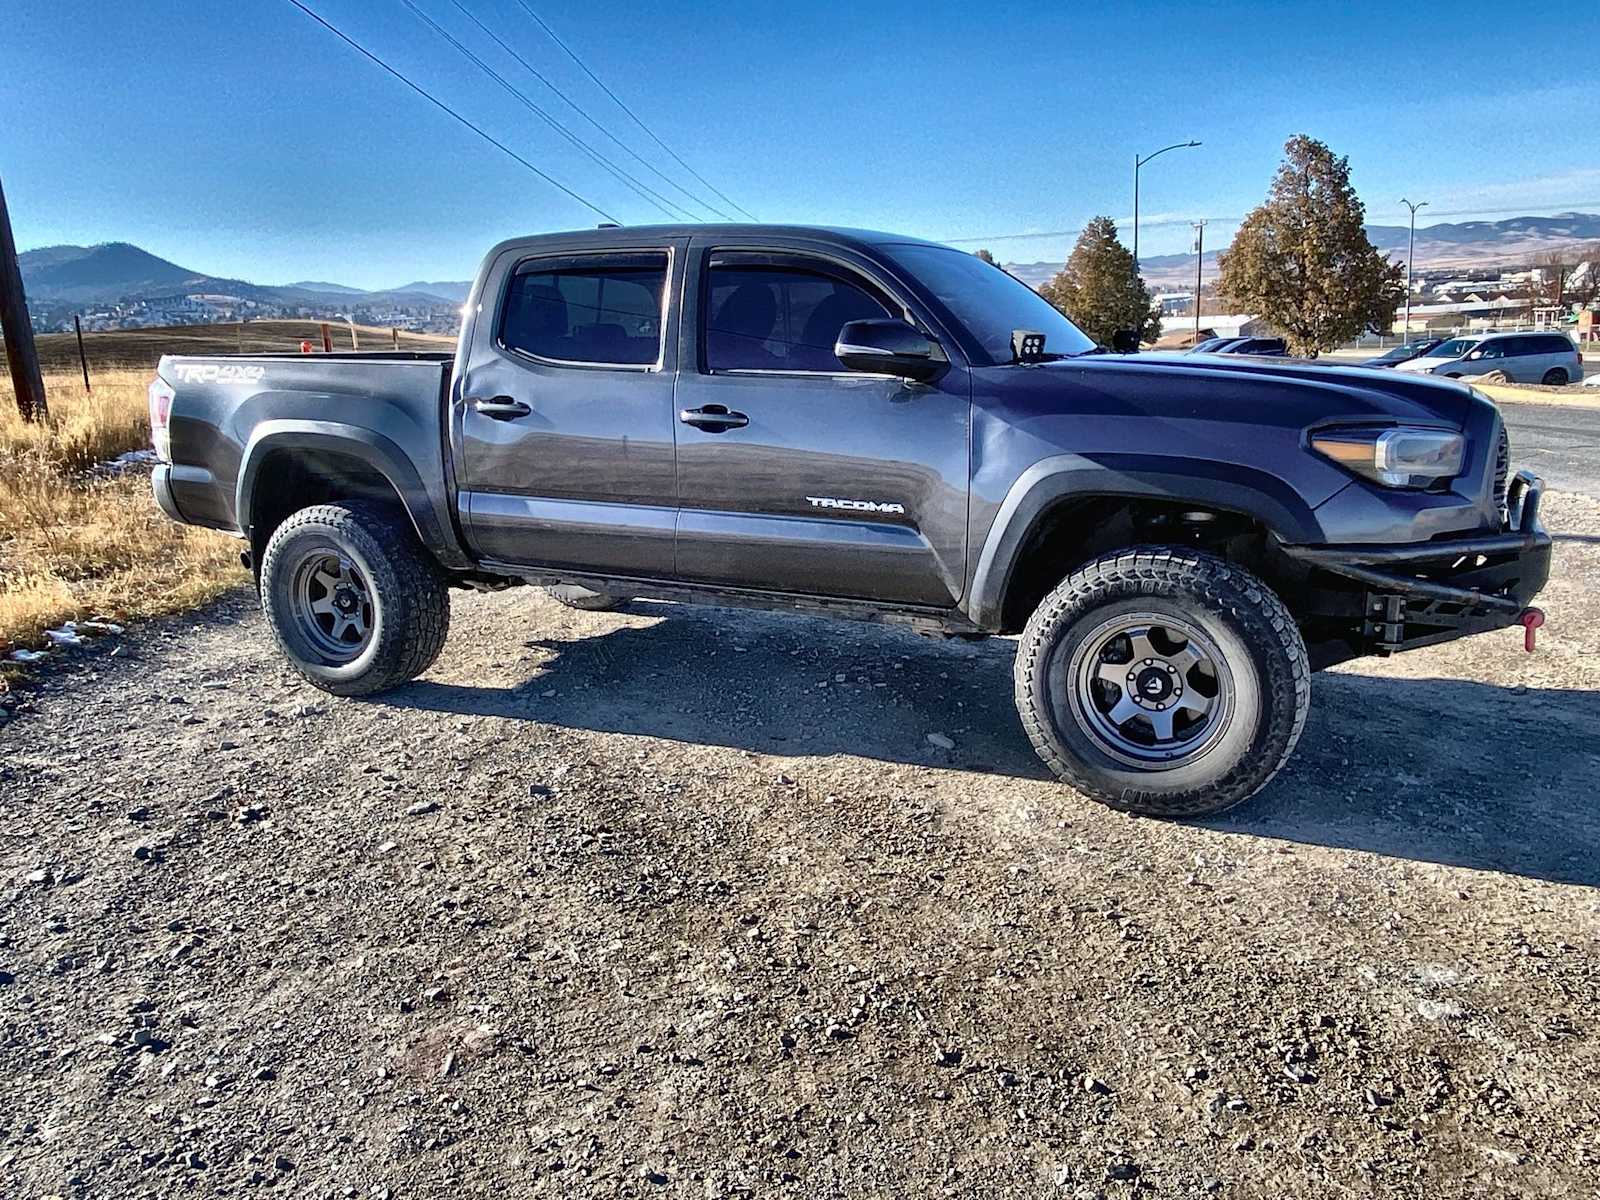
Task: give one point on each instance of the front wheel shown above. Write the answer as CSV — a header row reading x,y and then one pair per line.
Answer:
x,y
1163,681
355,603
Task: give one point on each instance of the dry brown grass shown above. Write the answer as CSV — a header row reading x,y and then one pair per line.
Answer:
x,y
73,545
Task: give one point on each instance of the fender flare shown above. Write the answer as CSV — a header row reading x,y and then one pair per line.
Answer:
x,y
1245,490
380,453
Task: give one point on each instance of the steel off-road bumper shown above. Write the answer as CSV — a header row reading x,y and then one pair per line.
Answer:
x,y
1430,592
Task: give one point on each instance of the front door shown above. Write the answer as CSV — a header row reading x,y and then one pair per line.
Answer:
x,y
566,419
795,474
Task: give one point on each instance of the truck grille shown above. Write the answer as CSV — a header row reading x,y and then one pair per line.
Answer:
x,y
1502,471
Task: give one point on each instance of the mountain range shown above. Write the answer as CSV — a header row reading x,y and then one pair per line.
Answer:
x,y
1468,244
63,277
118,271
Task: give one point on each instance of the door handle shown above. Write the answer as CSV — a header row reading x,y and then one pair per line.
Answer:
x,y
713,418
501,408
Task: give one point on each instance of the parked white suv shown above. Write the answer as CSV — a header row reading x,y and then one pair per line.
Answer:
x,y
1548,358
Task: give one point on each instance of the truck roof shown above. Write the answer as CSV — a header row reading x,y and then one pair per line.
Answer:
x,y
626,235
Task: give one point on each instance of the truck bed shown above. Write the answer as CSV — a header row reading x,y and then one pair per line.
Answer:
x,y
235,416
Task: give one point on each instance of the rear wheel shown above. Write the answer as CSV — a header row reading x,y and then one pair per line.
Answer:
x,y
1163,681
1555,377
355,603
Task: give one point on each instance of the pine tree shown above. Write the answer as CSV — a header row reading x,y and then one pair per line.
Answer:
x,y
1099,290
1302,260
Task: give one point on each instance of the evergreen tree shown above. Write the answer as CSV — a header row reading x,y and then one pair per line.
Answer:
x,y
1302,260
1100,291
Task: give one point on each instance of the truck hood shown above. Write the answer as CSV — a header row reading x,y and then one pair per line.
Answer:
x,y
1274,387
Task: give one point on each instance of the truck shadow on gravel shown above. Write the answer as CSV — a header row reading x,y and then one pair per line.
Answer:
x,y
1435,770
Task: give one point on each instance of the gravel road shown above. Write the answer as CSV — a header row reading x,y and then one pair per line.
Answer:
x,y
685,903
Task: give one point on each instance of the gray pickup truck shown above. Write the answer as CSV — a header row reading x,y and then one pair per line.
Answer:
x,y
864,425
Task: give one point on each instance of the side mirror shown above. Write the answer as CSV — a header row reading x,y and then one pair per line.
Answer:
x,y
1475,356
886,346
1125,341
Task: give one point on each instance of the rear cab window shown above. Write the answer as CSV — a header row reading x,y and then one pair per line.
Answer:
x,y
601,309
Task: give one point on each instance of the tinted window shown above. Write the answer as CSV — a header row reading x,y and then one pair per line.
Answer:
x,y
780,318
1454,348
1554,344
989,302
604,310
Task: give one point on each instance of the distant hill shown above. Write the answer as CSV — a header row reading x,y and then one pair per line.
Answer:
x,y
60,280
1468,244
331,289
456,293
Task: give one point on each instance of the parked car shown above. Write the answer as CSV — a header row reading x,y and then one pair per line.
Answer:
x,y
1211,345
1404,352
863,425
1269,347
1547,358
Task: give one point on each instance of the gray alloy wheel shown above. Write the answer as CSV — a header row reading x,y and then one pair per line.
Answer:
x,y
1152,689
333,604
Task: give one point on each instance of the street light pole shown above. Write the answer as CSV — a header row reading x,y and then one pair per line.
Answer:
x,y
1411,247
1137,163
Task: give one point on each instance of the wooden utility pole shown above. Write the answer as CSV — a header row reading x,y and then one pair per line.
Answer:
x,y
83,359
21,354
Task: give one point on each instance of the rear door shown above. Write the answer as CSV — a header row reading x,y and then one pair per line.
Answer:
x,y
794,473
564,414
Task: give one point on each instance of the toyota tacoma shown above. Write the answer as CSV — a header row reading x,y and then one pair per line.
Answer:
x,y
865,425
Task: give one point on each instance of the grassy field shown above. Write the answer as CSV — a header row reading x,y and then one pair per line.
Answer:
x,y
143,348
76,544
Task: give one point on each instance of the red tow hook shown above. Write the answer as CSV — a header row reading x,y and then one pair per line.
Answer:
x,y
1531,619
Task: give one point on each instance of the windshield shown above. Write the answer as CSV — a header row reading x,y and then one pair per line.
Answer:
x,y
1454,348
989,302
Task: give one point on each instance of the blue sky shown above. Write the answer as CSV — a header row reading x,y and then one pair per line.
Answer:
x,y
243,140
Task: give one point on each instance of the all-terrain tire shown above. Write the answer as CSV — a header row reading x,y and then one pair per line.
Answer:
x,y
1269,679
409,599
574,596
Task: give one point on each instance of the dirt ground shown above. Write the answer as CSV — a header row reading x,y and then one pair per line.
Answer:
x,y
685,903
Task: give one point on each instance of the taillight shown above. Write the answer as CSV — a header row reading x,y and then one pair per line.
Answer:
x,y
161,395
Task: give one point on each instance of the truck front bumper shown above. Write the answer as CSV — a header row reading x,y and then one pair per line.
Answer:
x,y
1424,593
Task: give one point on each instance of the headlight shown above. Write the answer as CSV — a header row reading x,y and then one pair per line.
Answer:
x,y
1400,457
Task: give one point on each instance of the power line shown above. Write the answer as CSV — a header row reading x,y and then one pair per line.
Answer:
x,y
440,104
642,189
617,100
582,112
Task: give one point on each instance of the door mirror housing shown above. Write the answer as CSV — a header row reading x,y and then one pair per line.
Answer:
x,y
886,346
1474,356
1125,341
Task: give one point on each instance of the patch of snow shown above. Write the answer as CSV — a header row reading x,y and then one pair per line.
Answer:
x,y
128,460
67,635
26,656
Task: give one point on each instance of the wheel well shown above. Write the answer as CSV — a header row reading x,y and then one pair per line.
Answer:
x,y
1076,529
291,479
